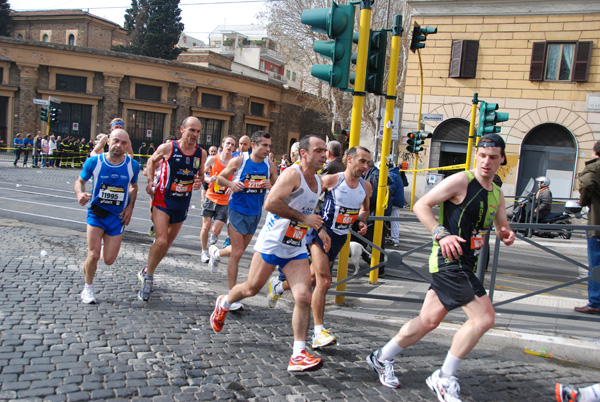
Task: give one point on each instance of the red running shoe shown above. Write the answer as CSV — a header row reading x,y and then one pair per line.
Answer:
x,y
217,318
304,362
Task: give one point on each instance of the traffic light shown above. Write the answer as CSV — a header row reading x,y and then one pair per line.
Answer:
x,y
337,22
488,117
375,61
420,35
415,140
44,114
54,113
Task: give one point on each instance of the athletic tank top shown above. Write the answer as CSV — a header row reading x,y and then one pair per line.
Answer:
x,y
110,189
176,179
342,204
250,200
283,237
471,220
215,192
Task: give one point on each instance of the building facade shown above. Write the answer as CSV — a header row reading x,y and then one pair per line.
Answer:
x,y
153,96
539,60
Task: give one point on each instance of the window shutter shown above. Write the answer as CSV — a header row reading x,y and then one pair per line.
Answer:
x,y
583,56
469,64
455,58
538,56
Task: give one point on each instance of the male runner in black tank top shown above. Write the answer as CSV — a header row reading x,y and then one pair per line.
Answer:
x,y
470,203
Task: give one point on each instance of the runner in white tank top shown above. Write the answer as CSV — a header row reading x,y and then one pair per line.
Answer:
x,y
290,203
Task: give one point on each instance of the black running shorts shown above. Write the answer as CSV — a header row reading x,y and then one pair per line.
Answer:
x,y
456,287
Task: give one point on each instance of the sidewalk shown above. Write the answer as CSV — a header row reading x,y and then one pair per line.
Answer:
x,y
53,348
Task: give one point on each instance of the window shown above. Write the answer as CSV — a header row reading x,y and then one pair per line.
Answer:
x,y
148,92
211,101
287,74
211,133
72,40
463,61
145,126
19,36
71,83
252,128
45,38
262,66
257,109
556,61
1,74
294,76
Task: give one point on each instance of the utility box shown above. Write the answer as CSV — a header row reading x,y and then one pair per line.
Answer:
x,y
432,180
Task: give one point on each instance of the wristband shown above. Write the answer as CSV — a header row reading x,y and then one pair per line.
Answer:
x,y
439,233
319,229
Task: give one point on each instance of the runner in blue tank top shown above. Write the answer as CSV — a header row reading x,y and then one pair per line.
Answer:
x,y
181,172
470,203
253,174
110,204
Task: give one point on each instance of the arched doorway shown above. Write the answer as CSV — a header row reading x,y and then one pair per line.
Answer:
x,y
449,144
548,150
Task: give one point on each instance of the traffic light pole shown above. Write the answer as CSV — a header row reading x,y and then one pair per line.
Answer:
x,y
361,71
471,132
386,142
414,171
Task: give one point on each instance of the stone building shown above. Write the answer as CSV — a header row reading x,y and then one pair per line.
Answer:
x,y
153,96
539,60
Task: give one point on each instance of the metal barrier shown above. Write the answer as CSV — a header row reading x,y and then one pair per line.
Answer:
x,y
395,259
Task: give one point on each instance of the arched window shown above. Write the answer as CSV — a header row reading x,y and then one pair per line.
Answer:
x,y
19,36
45,38
72,40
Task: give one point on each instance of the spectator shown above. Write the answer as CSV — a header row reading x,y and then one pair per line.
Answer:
x,y
52,151
397,201
27,148
18,145
334,159
151,149
143,154
45,149
544,198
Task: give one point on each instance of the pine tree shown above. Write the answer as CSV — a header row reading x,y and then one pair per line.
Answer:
x,y
154,27
5,18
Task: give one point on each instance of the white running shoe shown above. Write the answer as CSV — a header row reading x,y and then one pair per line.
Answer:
x,y
273,296
236,306
385,370
204,256
446,389
324,338
212,239
87,296
213,262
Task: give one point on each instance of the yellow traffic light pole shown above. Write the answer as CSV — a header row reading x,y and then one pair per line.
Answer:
x,y
386,142
357,106
414,171
471,132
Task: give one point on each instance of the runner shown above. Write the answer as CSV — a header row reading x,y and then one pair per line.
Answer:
x,y
281,242
110,205
215,205
252,175
346,202
470,203
181,172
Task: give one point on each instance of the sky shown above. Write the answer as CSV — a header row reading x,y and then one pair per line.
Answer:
x,y
200,17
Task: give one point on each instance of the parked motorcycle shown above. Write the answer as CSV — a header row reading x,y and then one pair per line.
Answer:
x,y
523,212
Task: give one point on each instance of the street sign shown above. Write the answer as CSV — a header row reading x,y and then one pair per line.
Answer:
x,y
149,133
433,117
43,102
53,99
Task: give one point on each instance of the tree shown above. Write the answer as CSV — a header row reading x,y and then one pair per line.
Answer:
x,y
5,18
154,28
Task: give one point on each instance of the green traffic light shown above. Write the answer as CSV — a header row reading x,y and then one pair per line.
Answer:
x,y
44,114
488,117
419,36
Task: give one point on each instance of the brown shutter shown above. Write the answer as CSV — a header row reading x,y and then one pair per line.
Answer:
x,y
469,64
455,58
583,56
538,56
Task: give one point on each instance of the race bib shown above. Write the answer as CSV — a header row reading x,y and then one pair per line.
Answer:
x,y
477,240
181,187
218,189
345,218
253,185
111,195
294,234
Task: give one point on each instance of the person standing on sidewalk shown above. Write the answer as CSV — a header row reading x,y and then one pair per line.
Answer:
x,y
110,206
470,203
282,242
589,196
250,176
397,200
181,171
346,202
334,159
215,206
27,148
18,145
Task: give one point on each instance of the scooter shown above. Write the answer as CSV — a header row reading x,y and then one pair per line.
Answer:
x,y
523,213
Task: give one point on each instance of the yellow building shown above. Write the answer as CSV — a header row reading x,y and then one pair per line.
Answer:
x,y
539,60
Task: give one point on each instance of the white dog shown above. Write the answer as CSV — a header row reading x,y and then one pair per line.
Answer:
x,y
356,250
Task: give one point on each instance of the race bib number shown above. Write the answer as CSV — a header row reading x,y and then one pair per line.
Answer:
x,y
345,218
477,240
294,234
111,195
181,187
253,184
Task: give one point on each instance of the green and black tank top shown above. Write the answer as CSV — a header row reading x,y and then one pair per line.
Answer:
x,y
470,219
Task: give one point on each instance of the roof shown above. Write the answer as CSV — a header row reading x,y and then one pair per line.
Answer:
x,y
251,31
60,13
